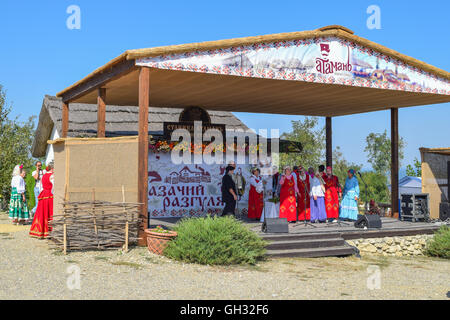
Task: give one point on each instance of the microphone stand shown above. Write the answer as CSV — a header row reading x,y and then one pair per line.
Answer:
x,y
365,192
305,222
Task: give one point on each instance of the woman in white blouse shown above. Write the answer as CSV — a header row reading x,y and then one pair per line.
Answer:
x,y
317,200
256,195
18,209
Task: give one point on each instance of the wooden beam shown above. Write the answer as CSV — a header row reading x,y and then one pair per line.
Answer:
x,y
144,101
101,112
329,142
394,162
65,119
99,80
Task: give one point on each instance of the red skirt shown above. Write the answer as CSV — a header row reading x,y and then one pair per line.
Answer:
x,y
332,203
255,203
44,214
288,205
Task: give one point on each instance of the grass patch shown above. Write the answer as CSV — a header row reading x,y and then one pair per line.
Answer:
x,y
4,234
381,261
57,253
126,263
215,241
7,238
72,261
439,245
101,258
153,260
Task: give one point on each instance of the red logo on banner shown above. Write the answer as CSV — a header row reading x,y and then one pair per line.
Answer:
x,y
325,66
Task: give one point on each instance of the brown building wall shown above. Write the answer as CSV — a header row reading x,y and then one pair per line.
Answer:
x,y
434,178
103,165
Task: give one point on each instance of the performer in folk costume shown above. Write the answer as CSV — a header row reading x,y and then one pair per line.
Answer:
x,y
349,204
256,195
303,194
332,193
44,212
18,209
229,192
317,197
275,182
289,190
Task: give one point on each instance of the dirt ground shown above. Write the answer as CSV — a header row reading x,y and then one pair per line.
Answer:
x,y
29,269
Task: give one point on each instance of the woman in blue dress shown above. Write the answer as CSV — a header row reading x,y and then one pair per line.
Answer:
x,y
349,204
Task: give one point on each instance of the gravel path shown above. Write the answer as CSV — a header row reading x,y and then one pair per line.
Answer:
x,y
30,270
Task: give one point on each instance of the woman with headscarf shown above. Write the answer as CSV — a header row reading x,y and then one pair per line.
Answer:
x,y
18,209
349,204
255,195
303,194
317,197
332,193
229,193
44,212
289,190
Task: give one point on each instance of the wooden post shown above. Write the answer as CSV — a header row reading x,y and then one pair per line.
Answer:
x,y
329,142
101,112
65,238
144,101
126,217
95,219
394,162
65,119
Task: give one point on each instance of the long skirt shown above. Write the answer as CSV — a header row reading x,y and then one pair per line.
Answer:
x,y
318,211
288,204
18,209
255,204
44,213
349,207
332,203
304,212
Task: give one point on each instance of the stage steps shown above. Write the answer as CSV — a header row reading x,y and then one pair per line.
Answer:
x,y
309,245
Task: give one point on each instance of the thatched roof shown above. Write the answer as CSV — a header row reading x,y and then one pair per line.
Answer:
x,y
328,31
120,121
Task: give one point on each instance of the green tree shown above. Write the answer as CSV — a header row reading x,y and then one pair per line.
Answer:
x,y
376,187
15,148
379,151
415,171
341,166
312,138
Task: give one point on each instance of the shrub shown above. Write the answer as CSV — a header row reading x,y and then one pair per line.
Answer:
x,y
215,241
439,246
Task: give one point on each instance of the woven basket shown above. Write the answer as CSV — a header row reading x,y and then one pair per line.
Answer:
x,y
157,242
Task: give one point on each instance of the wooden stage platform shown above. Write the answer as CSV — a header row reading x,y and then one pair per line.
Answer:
x,y
323,239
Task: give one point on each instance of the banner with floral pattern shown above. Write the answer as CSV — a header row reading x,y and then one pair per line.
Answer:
x,y
328,60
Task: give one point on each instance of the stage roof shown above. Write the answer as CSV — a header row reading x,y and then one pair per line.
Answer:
x,y
323,72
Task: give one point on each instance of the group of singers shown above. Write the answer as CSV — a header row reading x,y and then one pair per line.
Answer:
x,y
315,196
304,195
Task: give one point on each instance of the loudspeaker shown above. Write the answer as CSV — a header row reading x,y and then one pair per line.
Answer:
x,y
444,211
275,225
369,221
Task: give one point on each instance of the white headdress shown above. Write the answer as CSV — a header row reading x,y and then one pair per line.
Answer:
x,y
16,170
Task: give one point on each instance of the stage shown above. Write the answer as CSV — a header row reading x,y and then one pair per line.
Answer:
x,y
323,239
390,228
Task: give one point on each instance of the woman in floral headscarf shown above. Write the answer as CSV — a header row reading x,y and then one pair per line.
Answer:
x,y
349,204
18,209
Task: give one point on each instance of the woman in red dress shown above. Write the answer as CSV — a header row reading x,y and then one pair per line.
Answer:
x,y
332,192
303,195
44,211
289,190
256,195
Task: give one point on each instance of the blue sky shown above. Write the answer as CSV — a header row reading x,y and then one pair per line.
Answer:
x,y
39,55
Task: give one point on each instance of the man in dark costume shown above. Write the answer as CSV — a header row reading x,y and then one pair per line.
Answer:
x,y
229,193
